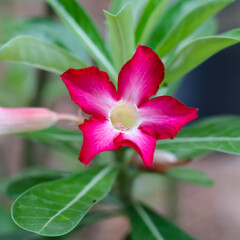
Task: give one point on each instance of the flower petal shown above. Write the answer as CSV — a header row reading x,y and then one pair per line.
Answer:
x,y
90,89
163,117
140,77
143,144
98,135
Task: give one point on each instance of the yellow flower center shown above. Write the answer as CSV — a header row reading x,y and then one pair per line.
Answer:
x,y
124,117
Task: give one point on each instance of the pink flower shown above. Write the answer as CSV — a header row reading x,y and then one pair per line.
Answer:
x,y
18,120
126,117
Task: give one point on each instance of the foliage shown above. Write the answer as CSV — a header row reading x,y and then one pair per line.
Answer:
x,y
53,203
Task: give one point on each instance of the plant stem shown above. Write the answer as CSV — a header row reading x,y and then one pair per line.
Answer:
x,y
124,180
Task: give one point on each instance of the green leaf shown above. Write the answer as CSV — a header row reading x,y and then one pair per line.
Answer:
x,y
197,52
207,29
120,28
75,17
117,5
220,133
202,12
30,178
50,31
177,11
55,208
54,134
173,14
190,153
39,54
148,21
189,175
59,138
148,225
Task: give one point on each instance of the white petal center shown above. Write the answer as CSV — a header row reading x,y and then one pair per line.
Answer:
x,y
124,116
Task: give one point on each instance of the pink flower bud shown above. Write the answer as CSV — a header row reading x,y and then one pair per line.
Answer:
x,y
17,120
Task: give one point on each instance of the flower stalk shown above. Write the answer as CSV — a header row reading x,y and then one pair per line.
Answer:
x,y
124,180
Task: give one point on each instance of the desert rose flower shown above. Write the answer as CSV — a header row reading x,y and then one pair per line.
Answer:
x,y
17,120
126,117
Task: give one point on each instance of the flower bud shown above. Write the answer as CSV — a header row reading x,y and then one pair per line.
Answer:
x,y
164,157
163,160
17,120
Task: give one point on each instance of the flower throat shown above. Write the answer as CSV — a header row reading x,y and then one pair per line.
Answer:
x,y
124,117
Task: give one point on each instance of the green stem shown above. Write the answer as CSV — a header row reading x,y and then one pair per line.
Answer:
x,y
124,180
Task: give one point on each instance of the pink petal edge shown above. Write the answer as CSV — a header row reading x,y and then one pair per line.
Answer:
x,y
91,90
140,77
141,142
163,117
98,136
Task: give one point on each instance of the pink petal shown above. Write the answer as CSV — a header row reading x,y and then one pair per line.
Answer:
x,y
163,117
140,77
98,135
143,144
90,89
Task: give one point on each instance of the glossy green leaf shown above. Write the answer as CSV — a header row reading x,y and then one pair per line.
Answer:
x,y
75,17
55,208
39,54
220,133
148,225
189,175
30,178
183,28
148,21
120,28
197,52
